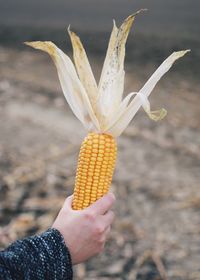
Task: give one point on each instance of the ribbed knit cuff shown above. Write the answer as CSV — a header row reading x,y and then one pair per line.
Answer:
x,y
43,256
59,260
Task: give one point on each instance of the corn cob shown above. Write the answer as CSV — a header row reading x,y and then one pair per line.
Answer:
x,y
95,169
101,108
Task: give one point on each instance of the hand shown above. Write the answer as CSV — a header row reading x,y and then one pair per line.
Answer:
x,y
85,231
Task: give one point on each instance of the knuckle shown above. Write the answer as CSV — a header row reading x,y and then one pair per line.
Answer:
x,y
102,240
89,217
99,229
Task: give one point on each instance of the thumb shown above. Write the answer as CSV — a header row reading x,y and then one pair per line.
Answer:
x,y
68,202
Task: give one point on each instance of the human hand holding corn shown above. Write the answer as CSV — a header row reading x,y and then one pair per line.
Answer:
x,y
85,231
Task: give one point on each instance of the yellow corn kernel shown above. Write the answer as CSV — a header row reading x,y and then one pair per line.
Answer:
x,y
96,164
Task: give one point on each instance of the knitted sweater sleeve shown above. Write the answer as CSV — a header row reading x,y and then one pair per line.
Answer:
x,y
43,256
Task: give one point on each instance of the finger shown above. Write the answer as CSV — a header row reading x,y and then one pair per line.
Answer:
x,y
107,232
68,202
108,218
102,205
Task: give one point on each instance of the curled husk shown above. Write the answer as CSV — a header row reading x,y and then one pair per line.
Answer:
x,y
101,108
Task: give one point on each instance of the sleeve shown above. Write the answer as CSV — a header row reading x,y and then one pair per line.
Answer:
x,y
42,256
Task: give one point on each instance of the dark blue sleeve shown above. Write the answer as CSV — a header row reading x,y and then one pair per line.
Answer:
x,y
39,257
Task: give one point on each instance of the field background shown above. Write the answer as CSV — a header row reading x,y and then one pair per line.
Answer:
x,y
157,228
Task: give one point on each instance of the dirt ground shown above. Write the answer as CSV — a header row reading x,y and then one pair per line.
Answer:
x,y
156,233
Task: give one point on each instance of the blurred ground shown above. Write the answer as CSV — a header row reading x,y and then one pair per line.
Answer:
x,y
156,231
178,18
